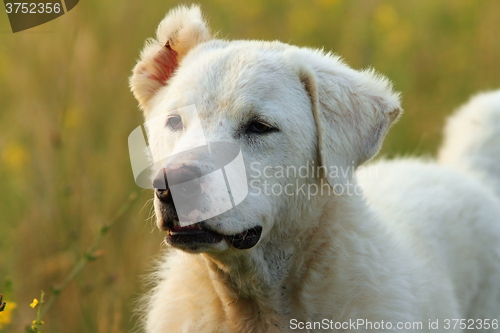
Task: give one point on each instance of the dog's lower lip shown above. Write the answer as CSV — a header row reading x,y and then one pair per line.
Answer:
x,y
244,240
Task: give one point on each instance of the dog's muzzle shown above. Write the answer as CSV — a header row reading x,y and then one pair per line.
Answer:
x,y
193,235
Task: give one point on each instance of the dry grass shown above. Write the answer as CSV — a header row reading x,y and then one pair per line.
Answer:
x,y
66,113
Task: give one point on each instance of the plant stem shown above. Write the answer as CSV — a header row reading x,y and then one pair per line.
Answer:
x,y
89,254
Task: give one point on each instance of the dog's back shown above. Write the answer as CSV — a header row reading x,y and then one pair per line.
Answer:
x,y
472,139
472,145
449,212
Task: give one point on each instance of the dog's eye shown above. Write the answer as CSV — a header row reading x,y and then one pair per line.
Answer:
x,y
260,127
174,122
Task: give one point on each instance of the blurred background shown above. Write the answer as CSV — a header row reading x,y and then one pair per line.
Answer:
x,y
66,112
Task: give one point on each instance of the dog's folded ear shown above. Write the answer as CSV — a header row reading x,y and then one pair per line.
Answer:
x,y
353,111
181,30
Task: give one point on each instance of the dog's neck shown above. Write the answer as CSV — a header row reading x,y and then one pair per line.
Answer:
x,y
251,288
263,286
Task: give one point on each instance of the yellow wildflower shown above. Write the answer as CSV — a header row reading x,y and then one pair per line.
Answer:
x,y
34,303
14,155
6,314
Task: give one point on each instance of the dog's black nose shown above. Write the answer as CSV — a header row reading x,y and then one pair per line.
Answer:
x,y
187,177
184,185
160,185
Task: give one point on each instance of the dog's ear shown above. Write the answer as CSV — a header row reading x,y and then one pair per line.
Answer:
x,y
353,111
181,30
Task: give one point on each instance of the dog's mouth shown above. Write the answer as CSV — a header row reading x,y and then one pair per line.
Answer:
x,y
197,235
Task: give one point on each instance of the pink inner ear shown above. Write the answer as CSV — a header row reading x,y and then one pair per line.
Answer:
x,y
166,63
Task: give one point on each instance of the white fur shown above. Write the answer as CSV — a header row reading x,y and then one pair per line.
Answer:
x,y
472,139
421,244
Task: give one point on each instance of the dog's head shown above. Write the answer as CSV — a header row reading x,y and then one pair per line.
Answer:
x,y
301,119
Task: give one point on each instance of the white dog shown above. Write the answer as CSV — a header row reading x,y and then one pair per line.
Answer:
x,y
404,245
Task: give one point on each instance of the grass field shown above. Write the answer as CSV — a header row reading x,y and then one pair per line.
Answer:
x,y
66,112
